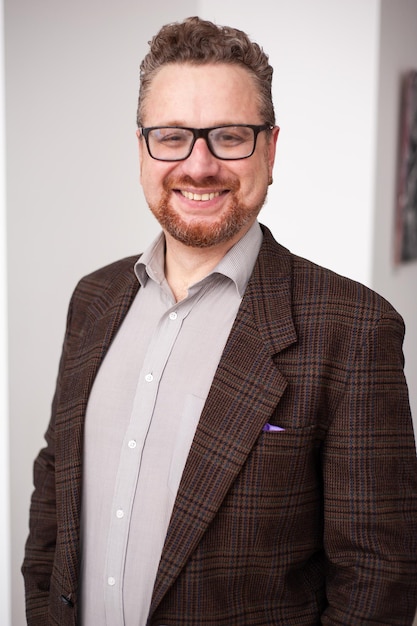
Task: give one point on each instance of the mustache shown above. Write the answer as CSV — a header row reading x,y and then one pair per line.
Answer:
x,y
210,182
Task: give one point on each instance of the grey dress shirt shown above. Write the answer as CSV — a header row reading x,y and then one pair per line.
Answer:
x,y
141,418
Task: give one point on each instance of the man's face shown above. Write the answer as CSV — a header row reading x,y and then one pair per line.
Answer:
x,y
204,201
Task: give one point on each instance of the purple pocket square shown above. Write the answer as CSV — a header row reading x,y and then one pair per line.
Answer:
x,y
271,428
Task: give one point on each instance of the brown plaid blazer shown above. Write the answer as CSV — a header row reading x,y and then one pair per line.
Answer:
x,y
316,524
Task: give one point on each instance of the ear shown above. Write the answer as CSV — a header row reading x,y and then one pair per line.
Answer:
x,y
140,146
272,149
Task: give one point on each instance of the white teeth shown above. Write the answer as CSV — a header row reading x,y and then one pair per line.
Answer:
x,y
200,196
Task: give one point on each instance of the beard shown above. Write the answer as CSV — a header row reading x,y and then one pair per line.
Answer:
x,y
197,233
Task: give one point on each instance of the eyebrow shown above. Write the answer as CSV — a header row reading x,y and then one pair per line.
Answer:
x,y
185,125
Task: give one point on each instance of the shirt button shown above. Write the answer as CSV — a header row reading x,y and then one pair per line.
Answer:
x,y
173,315
120,514
132,444
111,581
149,378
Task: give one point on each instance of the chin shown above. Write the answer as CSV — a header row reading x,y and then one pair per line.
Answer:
x,y
199,234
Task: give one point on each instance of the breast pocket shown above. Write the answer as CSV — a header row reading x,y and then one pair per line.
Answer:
x,y
289,498
286,459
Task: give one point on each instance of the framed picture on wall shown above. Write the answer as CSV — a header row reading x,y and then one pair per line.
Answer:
x,y
406,218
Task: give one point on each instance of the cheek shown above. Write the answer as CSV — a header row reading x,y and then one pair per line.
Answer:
x,y
148,172
254,181
146,180
152,176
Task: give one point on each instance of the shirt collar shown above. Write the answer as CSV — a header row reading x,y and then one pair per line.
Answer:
x,y
237,264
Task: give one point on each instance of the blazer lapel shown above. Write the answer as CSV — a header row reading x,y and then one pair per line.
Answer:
x,y
245,391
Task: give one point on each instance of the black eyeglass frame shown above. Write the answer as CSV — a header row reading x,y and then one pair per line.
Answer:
x,y
204,134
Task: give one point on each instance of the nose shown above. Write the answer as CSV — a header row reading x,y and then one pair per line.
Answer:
x,y
201,162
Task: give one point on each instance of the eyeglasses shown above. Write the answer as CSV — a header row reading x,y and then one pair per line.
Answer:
x,y
175,143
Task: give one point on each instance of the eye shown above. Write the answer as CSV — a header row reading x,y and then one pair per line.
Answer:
x,y
231,136
171,137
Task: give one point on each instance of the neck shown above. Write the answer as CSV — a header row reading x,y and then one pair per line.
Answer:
x,y
185,266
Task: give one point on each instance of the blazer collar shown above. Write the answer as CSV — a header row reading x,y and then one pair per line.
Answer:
x,y
246,389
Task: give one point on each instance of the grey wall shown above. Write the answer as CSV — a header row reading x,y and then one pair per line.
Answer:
x,y
397,55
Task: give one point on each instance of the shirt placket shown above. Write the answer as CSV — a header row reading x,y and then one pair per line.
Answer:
x,y
131,455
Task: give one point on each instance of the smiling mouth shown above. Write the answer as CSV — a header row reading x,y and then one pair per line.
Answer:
x,y
201,197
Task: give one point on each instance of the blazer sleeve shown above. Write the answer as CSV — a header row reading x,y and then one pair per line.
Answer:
x,y
40,545
370,487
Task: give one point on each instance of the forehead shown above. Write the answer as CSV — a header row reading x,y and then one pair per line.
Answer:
x,y
201,95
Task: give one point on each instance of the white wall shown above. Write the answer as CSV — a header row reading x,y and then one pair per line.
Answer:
x,y
324,55
4,421
73,195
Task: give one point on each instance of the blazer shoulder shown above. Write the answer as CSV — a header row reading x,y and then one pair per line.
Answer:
x,y
314,283
320,289
114,273
108,273
112,283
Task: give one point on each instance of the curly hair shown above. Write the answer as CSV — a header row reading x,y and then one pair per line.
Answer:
x,y
200,42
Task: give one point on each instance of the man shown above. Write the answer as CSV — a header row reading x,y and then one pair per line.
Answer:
x,y
231,440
